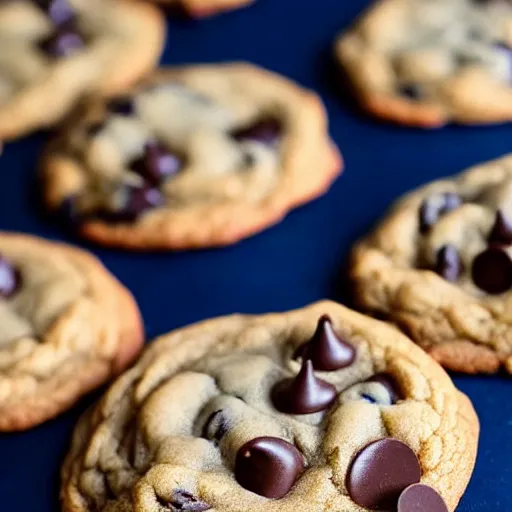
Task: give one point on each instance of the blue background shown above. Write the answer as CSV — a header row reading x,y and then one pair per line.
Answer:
x,y
297,262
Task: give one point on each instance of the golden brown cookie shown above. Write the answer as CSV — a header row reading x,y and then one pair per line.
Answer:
x,y
439,266
67,326
319,409
195,157
429,62
61,50
203,8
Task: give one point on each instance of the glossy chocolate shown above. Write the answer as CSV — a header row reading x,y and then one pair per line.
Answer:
x,y
448,263
156,163
9,279
501,232
266,131
421,498
492,271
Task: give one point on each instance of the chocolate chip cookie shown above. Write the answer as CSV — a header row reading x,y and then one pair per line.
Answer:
x,y
439,266
66,326
202,8
56,51
316,409
429,62
194,157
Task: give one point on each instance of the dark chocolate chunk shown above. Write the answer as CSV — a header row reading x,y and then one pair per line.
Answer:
x,y
448,263
267,131
326,350
59,11
156,164
389,382
216,426
433,207
421,498
501,232
492,271
62,43
137,200
122,106
380,472
183,500
9,279
412,91
303,394
268,466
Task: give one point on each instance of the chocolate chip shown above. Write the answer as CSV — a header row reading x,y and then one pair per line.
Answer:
x,y
63,43
391,385
137,200
412,91
267,131
122,106
156,164
492,271
186,501
421,498
68,213
433,207
303,394
326,350
9,279
501,232
268,466
59,11
380,472
216,426
448,263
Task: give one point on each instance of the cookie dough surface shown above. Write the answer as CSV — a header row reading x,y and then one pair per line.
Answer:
x,y
196,156
439,266
177,432
56,51
430,62
66,326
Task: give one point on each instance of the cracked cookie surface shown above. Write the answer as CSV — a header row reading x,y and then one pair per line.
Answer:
x,y
199,424
66,326
196,156
61,50
430,62
439,267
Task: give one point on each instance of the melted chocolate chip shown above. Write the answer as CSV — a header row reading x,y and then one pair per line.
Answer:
x,y
156,164
448,263
433,207
326,350
421,498
137,200
380,472
59,11
267,131
63,43
412,91
303,394
9,279
501,232
268,466
186,501
122,106
492,271
389,382
216,426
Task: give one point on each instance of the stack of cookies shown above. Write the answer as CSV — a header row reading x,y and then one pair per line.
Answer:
x,y
318,409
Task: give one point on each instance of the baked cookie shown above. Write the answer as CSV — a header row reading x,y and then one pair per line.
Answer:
x,y
60,50
202,8
66,326
316,409
429,62
194,157
439,266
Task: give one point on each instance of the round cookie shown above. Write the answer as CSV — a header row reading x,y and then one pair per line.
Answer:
x,y
439,267
316,409
61,50
430,62
67,326
203,8
194,157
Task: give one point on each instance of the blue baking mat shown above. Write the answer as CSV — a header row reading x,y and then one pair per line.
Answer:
x,y
285,267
